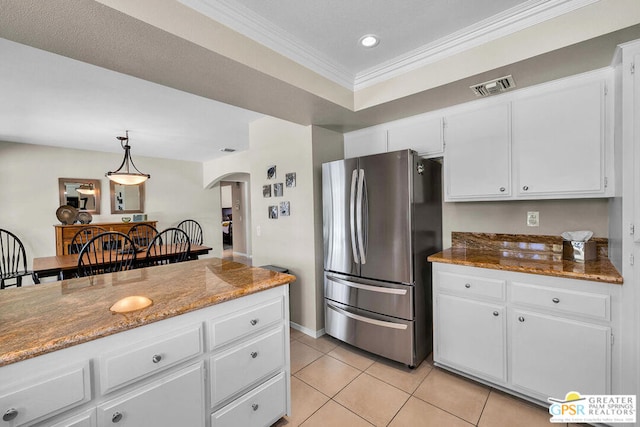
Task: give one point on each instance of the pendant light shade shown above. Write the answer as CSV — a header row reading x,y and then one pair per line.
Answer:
x,y
123,175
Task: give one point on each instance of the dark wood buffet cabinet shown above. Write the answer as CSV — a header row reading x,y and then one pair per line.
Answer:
x,y
64,233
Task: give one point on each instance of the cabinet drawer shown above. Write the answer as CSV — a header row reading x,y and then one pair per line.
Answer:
x,y
246,364
261,407
119,368
229,328
586,304
85,419
471,285
44,396
175,399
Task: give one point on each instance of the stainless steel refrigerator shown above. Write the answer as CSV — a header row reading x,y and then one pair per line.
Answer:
x,y
382,218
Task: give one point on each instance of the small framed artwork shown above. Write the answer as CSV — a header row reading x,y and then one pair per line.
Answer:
x,y
277,190
290,179
271,172
273,212
266,190
284,209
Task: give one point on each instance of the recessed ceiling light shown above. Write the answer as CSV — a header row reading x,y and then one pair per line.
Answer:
x,y
369,40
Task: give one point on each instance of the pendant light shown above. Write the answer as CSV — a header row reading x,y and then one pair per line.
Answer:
x,y
123,175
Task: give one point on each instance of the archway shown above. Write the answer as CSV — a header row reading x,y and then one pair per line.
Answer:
x,y
235,199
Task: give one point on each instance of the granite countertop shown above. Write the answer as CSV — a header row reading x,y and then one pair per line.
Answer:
x,y
35,320
526,254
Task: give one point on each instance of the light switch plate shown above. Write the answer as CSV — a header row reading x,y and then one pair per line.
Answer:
x,y
533,219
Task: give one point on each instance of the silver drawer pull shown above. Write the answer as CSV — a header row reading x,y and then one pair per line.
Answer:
x,y
467,285
254,406
116,417
253,322
556,300
502,189
10,414
156,358
254,354
495,313
525,188
521,319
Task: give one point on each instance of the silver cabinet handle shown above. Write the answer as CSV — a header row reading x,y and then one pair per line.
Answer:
x,y
255,406
467,285
556,300
254,354
525,188
116,417
352,215
502,189
495,313
156,358
253,322
10,414
521,318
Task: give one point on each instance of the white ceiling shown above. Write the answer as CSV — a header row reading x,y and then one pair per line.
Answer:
x,y
51,99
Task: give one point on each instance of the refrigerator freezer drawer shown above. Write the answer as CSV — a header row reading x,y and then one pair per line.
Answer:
x,y
386,336
379,297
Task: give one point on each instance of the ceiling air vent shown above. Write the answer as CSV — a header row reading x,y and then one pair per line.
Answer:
x,y
227,150
494,86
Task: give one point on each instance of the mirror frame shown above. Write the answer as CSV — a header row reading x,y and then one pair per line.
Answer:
x,y
96,186
112,192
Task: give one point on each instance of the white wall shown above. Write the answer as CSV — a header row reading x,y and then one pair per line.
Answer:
x,y
286,241
29,190
556,216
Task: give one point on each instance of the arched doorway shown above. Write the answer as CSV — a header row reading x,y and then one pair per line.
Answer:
x,y
236,217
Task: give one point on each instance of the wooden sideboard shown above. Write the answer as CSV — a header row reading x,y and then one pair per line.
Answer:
x,y
64,233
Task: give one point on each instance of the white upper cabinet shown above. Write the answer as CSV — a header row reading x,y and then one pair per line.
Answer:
x,y
558,141
478,156
422,135
365,142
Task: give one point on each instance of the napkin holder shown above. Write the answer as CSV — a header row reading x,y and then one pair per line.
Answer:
x,y
579,251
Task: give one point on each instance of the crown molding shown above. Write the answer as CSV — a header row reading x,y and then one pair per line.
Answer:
x,y
246,22
508,22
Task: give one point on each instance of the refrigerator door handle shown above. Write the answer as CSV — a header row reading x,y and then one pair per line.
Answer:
x,y
359,216
352,215
364,287
366,319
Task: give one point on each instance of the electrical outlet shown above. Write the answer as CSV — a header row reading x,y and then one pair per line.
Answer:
x,y
533,219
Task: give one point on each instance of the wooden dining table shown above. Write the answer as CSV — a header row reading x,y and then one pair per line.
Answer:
x,y
65,266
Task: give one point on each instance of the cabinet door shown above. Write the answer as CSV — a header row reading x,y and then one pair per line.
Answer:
x,y
558,142
470,335
365,142
478,154
422,136
173,400
551,356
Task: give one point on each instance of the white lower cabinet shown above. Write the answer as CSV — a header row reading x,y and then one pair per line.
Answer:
x,y
173,400
160,374
548,337
471,336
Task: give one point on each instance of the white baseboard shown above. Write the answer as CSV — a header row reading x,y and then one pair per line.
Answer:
x,y
307,331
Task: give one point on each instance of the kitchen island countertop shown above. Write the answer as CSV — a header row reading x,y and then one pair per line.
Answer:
x,y
525,254
36,320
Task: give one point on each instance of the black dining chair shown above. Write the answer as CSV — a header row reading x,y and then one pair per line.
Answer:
x,y
83,236
142,235
169,246
193,230
13,260
107,253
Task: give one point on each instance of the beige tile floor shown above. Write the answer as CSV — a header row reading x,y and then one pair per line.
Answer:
x,y
334,384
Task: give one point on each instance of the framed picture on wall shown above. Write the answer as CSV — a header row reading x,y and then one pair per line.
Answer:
x,y
284,209
290,179
277,190
273,212
266,190
271,172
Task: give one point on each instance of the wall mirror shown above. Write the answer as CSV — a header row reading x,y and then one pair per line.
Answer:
x,y
126,198
81,193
